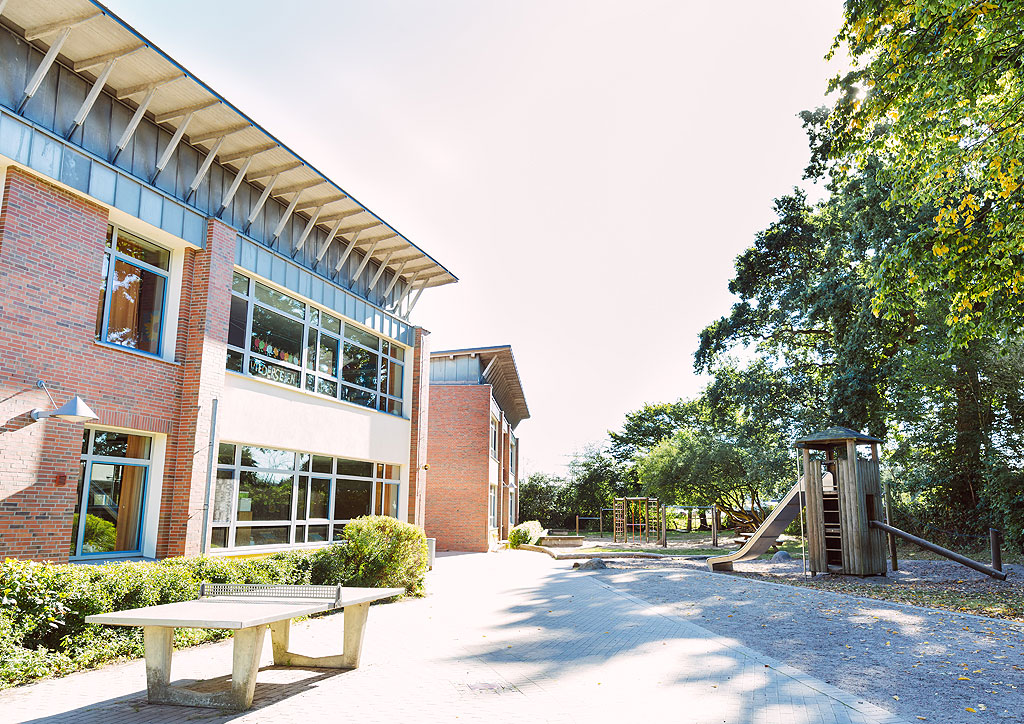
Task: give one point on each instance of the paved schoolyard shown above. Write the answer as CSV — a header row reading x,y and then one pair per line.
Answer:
x,y
503,635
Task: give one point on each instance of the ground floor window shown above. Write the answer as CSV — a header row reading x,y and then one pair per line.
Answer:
x,y
112,492
265,496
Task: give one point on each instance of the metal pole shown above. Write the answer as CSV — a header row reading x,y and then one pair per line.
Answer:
x,y
995,538
714,526
205,542
928,545
803,541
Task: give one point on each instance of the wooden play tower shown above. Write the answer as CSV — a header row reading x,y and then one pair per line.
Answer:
x,y
843,494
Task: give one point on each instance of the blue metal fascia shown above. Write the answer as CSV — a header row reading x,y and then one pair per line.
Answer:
x,y
42,151
257,258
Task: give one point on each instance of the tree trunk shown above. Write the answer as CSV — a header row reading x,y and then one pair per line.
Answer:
x,y
972,420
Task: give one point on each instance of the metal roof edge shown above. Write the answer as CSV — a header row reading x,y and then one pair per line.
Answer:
x,y
120,21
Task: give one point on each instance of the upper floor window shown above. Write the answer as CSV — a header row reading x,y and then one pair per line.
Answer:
x,y
277,337
512,454
133,293
494,438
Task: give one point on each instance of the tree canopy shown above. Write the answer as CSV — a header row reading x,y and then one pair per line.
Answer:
x,y
936,97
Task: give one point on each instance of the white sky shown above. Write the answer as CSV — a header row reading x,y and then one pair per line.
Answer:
x,y
588,169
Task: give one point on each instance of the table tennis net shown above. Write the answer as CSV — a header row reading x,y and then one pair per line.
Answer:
x,y
269,590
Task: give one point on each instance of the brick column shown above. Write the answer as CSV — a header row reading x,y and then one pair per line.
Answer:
x,y
206,302
418,433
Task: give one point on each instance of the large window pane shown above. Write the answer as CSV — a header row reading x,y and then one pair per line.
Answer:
x,y
113,513
394,379
360,366
351,499
262,535
358,397
226,454
219,538
102,306
387,500
264,496
328,358
273,372
142,250
364,338
276,336
136,308
237,321
282,302
78,506
300,504
240,283
317,533
331,323
267,457
223,496
120,445
356,468
319,498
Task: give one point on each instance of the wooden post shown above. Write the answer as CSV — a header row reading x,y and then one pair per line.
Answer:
x,y
600,521
714,526
577,525
995,538
689,520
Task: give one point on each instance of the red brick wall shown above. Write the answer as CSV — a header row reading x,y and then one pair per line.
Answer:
x,y
206,301
51,253
457,451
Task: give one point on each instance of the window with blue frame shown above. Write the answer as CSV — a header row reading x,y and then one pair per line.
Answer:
x,y
112,492
277,337
133,292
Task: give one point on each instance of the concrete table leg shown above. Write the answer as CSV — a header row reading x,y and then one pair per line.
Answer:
x,y
355,625
245,663
247,648
159,645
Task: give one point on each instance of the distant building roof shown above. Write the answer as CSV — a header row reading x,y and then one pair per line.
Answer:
x,y
835,434
498,370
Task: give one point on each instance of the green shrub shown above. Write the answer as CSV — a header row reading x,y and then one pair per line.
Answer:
x,y
383,552
527,533
42,617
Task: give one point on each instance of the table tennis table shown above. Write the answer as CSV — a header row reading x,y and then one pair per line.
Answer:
x,y
248,610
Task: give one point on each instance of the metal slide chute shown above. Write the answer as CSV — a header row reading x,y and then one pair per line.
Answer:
x,y
768,532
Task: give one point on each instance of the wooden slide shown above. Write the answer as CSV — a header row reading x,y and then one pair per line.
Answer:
x,y
769,531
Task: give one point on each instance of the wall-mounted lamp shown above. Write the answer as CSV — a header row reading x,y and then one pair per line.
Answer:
x,y
74,410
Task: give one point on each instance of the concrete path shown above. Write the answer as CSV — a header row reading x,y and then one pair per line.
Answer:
x,y
502,635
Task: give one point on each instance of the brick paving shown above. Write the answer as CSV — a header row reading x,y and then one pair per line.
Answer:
x,y
502,635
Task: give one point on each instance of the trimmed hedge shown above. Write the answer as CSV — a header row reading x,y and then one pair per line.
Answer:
x,y
527,533
43,605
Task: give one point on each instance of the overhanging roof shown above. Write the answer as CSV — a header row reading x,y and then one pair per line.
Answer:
x,y
835,434
92,41
499,371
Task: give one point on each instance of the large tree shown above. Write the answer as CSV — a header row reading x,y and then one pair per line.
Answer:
x,y
937,96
